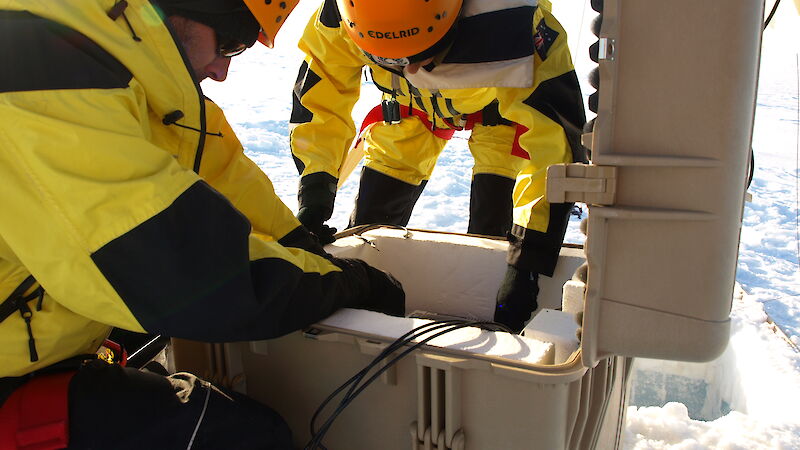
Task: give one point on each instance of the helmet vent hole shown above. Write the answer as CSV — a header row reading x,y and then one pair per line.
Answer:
x,y
267,2
352,4
282,5
430,29
438,17
278,19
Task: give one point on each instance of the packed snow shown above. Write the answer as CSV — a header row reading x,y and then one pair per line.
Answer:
x,y
749,397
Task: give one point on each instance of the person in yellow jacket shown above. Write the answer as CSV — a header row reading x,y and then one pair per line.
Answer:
x,y
128,202
442,62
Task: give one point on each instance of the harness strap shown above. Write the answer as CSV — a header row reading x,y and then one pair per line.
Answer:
x,y
376,114
35,416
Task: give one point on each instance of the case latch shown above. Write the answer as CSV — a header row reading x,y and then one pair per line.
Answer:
x,y
585,183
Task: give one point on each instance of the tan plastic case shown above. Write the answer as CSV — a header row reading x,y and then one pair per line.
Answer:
x,y
676,106
482,395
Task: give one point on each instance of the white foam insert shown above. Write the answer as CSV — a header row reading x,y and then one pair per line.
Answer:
x,y
449,274
572,296
558,327
444,273
472,340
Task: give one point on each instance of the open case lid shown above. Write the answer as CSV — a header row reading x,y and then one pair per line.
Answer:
x,y
676,101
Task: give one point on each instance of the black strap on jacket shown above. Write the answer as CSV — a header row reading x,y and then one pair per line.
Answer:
x,y
18,301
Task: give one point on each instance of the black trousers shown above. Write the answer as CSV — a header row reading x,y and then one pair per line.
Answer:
x,y
385,200
111,407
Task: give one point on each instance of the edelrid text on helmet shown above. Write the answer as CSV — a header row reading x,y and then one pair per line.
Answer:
x,y
393,34
403,29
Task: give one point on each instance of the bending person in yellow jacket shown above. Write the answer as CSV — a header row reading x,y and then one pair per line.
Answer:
x,y
128,202
441,63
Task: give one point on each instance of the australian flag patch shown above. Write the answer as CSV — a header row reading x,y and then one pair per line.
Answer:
x,y
543,39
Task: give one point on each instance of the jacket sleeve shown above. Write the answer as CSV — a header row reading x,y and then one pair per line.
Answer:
x,y
553,113
326,90
116,231
227,169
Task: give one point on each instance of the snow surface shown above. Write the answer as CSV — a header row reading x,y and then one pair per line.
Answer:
x,y
757,380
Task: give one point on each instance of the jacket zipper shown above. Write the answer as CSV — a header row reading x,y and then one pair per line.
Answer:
x,y
198,154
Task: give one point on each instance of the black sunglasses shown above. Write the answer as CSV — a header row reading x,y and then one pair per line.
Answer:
x,y
229,48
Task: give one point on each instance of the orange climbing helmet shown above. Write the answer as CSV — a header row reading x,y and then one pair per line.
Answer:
x,y
398,31
271,14
237,22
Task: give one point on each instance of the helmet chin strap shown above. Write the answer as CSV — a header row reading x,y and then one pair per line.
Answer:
x,y
387,61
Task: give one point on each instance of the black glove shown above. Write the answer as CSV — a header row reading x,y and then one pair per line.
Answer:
x,y
516,298
313,218
376,290
300,237
316,195
386,293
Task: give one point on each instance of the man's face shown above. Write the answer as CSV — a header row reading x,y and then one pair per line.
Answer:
x,y
201,48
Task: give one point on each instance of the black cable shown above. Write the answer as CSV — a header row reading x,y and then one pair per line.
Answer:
x,y
346,401
451,325
771,13
412,348
355,379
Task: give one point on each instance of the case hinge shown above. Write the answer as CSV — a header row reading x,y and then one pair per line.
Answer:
x,y
585,183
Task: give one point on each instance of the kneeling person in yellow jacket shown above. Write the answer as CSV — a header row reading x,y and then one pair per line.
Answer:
x,y
128,202
443,62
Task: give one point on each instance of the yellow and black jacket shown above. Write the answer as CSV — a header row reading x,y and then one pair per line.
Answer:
x,y
516,56
126,195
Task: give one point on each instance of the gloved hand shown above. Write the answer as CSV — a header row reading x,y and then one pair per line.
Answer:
x,y
386,293
516,298
313,218
377,290
300,237
316,195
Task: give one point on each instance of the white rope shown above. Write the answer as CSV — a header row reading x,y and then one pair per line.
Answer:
x,y
207,385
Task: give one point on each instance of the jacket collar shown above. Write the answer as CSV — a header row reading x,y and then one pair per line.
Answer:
x,y
493,47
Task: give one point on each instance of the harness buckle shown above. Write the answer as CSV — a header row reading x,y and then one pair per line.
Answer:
x,y
391,111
